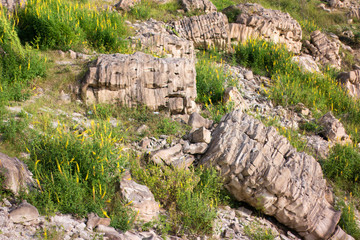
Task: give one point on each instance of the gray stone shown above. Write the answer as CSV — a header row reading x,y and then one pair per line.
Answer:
x,y
197,148
24,213
197,121
198,5
233,96
350,81
333,129
306,63
201,135
94,220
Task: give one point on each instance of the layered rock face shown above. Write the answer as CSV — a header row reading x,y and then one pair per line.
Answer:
x,y
205,30
152,36
16,173
351,82
323,49
159,83
255,21
199,5
261,168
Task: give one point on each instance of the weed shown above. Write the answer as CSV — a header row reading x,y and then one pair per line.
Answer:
x,y
347,220
257,232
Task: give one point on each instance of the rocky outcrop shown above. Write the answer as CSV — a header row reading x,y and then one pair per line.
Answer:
x,y
198,5
306,63
333,130
254,21
204,30
354,12
152,36
16,174
350,81
12,4
338,3
159,83
233,97
140,198
126,4
260,167
324,51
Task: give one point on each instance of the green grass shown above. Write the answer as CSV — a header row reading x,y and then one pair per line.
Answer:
x,y
51,24
347,221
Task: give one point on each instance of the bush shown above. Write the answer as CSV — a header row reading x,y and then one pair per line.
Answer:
x,y
190,196
18,65
76,171
67,25
347,220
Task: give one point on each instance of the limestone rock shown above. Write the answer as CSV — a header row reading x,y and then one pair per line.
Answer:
x,y
110,232
24,213
260,167
201,135
351,82
197,148
166,155
16,174
334,131
204,30
159,83
94,221
126,4
153,36
197,121
323,49
12,4
319,146
203,5
354,12
338,3
141,199
233,96
254,21
306,63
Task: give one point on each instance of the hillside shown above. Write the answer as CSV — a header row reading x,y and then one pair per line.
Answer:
x,y
179,119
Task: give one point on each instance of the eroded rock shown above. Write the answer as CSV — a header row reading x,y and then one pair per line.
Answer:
x,y
197,121
204,30
233,96
25,212
325,51
141,198
159,83
198,5
12,4
334,131
254,21
16,173
351,82
261,168
306,63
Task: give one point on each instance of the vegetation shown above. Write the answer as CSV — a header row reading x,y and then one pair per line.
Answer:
x,y
257,232
348,221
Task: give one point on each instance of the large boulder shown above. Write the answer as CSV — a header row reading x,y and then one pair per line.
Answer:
x,y
260,167
351,82
323,49
154,36
204,30
159,83
254,21
198,5
12,4
16,174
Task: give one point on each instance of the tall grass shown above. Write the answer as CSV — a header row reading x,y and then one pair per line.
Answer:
x,y
18,65
63,25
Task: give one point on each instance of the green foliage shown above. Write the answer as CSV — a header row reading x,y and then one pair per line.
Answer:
x,y
190,196
257,232
14,131
18,65
347,221
76,171
343,167
311,127
65,24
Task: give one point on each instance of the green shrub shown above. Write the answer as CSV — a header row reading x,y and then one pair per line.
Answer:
x,y
190,196
64,25
18,65
347,221
76,171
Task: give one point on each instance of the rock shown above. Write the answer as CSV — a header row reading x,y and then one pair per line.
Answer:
x,y
340,235
350,81
197,121
142,129
65,98
16,173
306,63
204,30
354,12
201,135
323,7
338,3
197,148
158,38
323,49
142,79
110,232
12,4
60,53
334,131
24,213
145,143
140,197
94,220
198,5
166,155
319,146
72,54
249,75
254,21
233,96
126,4
260,167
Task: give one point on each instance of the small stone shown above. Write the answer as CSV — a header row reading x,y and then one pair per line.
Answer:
x,y
197,121
249,75
72,54
24,213
145,143
197,148
110,232
142,129
201,135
